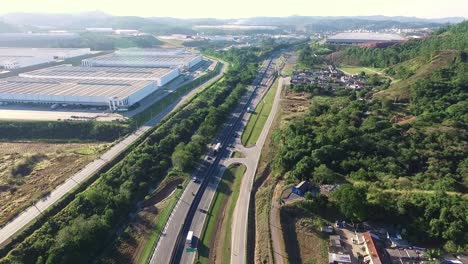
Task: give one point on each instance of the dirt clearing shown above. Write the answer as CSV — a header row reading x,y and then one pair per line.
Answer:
x,y
30,170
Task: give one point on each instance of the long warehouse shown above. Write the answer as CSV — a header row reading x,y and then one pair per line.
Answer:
x,y
151,51
186,60
159,75
116,94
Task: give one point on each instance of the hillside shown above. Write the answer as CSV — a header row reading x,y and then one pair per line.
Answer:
x,y
410,172
418,69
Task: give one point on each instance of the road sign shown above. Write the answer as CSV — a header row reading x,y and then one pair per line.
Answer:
x,y
190,250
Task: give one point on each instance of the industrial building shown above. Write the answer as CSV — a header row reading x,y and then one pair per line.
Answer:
x,y
160,76
151,52
116,94
14,58
185,60
363,38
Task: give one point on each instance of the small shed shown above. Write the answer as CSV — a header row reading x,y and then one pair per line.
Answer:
x,y
301,188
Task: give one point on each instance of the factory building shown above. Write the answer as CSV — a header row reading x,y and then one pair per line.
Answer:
x,y
185,60
363,38
10,62
116,94
14,58
160,76
151,52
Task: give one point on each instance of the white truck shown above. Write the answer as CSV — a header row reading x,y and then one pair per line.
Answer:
x,y
189,238
216,148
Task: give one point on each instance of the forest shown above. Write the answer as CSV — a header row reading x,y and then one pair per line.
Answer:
x,y
65,130
412,173
82,229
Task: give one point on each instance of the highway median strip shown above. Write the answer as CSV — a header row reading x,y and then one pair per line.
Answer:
x,y
216,235
258,117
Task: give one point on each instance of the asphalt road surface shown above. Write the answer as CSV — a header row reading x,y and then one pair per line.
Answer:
x,y
190,212
240,216
28,215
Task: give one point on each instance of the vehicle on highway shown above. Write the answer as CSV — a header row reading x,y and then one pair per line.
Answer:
x,y
195,180
216,148
189,239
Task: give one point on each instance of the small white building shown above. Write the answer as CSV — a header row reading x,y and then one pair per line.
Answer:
x,y
100,30
127,32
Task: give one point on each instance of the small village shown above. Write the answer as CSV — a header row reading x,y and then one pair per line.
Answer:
x,y
359,243
328,76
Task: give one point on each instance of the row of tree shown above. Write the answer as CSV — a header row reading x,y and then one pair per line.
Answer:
x,y
65,130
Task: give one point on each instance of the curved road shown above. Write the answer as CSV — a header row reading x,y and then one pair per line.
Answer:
x,y
252,157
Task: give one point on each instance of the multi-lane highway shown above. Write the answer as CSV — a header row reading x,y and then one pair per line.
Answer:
x,y
190,212
32,212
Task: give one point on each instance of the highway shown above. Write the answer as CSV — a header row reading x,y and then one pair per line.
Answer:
x,y
241,211
32,212
190,212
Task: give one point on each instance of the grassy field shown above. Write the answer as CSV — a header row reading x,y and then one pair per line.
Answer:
x,y
267,179
357,70
258,117
30,170
304,244
216,237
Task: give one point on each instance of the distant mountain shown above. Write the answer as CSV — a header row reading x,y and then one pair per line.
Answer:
x,y
7,28
168,25
313,19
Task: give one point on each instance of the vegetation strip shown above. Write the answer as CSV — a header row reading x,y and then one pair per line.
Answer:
x,y
258,117
220,214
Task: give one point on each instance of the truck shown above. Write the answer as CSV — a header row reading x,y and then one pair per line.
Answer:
x,y
189,238
216,148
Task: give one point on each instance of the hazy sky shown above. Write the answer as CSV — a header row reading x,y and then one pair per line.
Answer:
x,y
244,8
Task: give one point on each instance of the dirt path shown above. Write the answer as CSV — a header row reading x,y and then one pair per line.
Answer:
x,y
277,240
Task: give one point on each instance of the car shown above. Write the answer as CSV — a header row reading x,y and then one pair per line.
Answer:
x,y
337,224
195,180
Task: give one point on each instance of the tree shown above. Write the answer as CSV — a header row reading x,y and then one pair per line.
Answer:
x,y
352,201
322,174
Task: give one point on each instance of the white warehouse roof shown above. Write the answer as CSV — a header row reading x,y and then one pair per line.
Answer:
x,y
103,73
117,60
69,88
365,36
151,51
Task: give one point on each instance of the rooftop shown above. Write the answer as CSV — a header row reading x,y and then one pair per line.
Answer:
x,y
123,73
367,36
184,58
8,49
67,87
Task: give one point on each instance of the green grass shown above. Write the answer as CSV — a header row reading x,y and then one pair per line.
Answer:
x,y
228,189
160,222
357,70
258,118
238,172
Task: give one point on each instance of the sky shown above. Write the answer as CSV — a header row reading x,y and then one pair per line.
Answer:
x,y
244,8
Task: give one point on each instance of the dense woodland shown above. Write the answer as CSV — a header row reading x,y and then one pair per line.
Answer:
x,y
83,228
414,173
